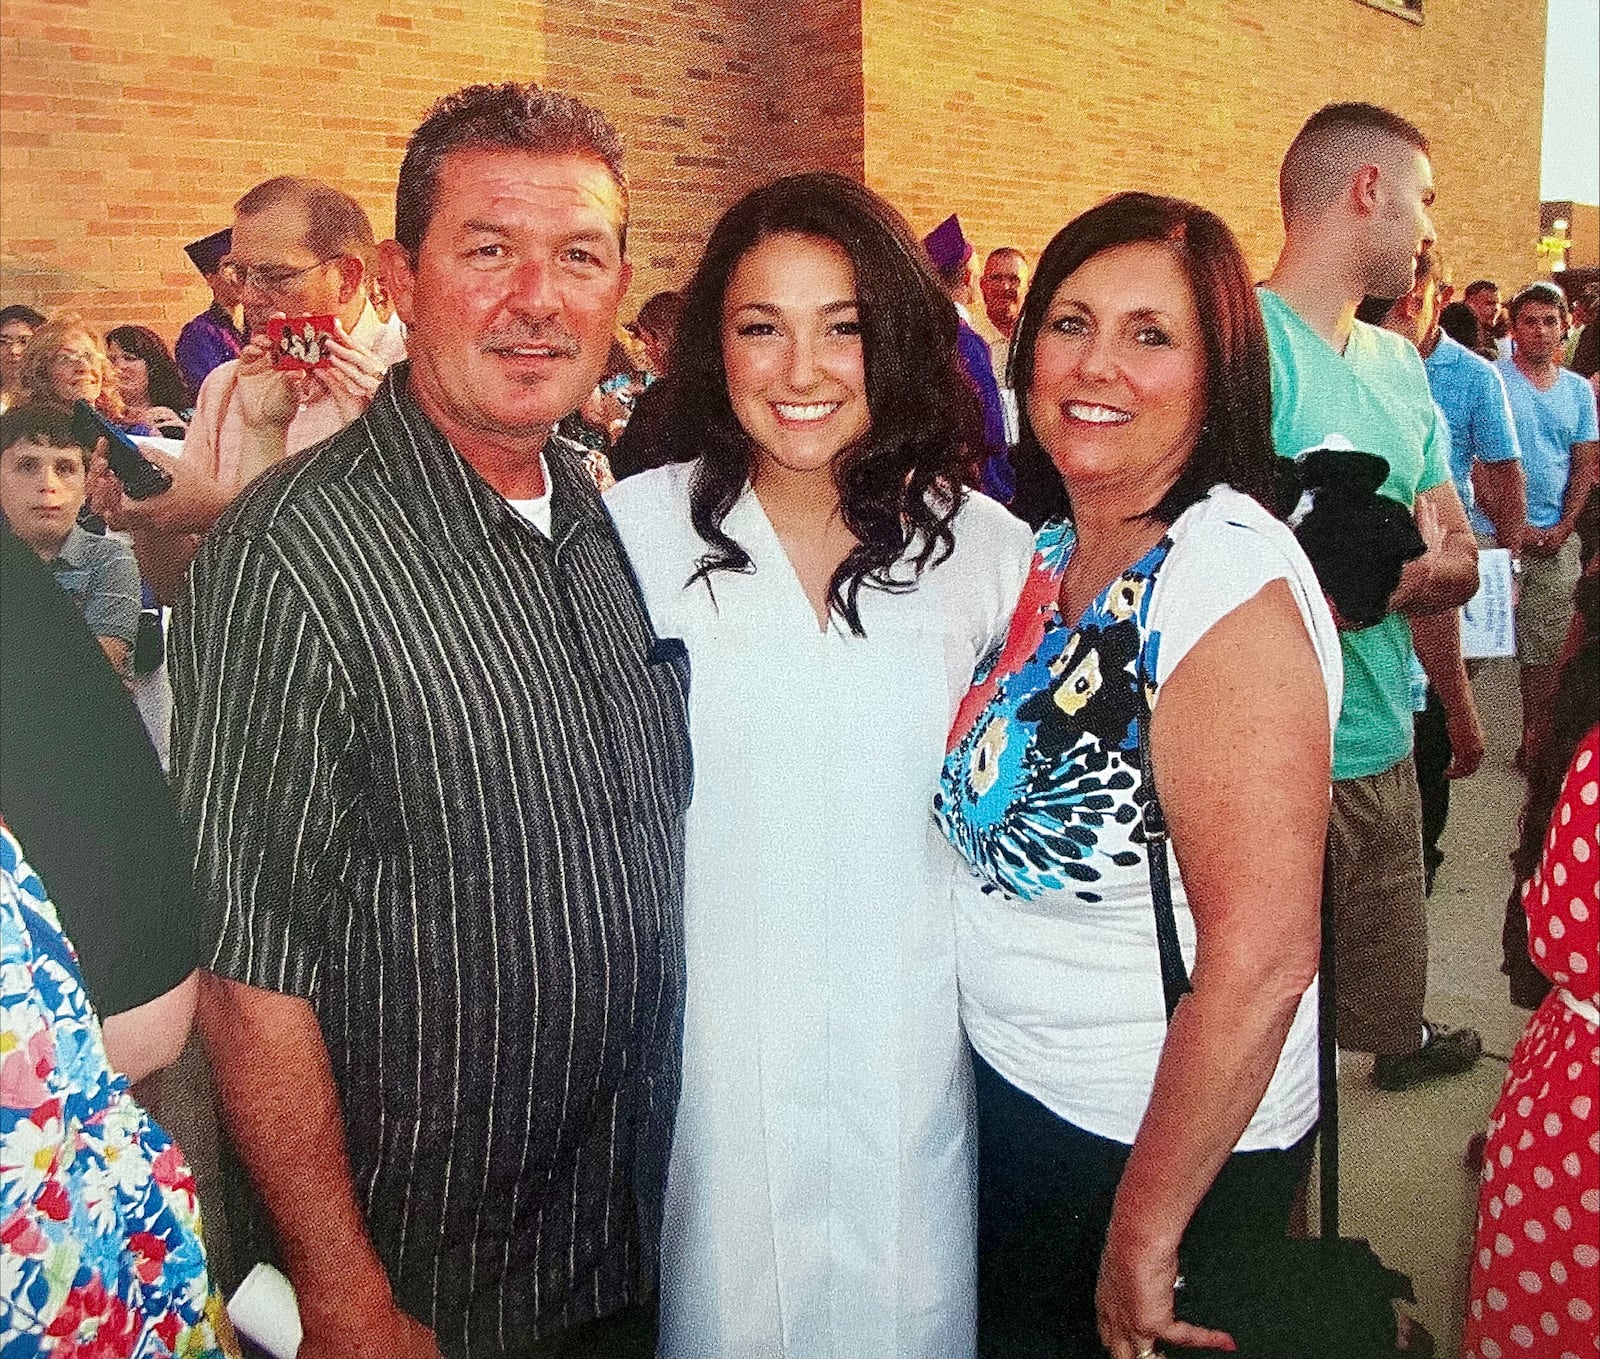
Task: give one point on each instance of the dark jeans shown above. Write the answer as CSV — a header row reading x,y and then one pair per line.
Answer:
x,y
1044,1202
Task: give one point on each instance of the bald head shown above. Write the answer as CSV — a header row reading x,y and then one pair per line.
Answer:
x,y
1336,142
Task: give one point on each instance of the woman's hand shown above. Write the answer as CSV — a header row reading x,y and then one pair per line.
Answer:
x,y
1133,1300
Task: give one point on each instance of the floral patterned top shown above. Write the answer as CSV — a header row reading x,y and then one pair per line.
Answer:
x,y
100,1249
1042,795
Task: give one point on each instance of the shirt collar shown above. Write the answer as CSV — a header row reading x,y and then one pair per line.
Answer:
x,y
438,488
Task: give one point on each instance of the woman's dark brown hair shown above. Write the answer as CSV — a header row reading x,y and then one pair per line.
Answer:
x,y
900,485
1575,712
1235,443
167,387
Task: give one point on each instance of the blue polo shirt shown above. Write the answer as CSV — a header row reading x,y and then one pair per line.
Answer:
x,y
1548,424
1472,396
102,579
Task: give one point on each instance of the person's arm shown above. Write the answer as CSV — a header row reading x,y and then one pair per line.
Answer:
x,y
1242,722
268,851
1437,639
117,652
149,1037
1446,575
271,1068
1580,482
1501,489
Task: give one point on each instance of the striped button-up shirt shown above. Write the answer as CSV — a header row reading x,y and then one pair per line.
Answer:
x,y
436,766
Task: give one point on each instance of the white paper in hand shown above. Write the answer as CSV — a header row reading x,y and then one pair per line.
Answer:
x,y
263,1310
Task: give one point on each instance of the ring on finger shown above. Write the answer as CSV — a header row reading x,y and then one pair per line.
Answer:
x,y
1146,1352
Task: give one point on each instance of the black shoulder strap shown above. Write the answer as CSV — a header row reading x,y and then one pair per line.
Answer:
x,y
1175,976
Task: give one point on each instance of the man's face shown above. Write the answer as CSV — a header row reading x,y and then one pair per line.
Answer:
x,y
41,491
512,299
1401,226
283,273
1485,303
1417,314
224,291
1538,331
1005,279
14,337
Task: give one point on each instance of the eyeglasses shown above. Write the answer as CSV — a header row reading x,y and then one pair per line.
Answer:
x,y
74,358
266,278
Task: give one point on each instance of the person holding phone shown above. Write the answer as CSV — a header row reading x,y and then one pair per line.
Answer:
x,y
300,248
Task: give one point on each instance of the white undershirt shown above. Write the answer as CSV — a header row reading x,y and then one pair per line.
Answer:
x,y
537,510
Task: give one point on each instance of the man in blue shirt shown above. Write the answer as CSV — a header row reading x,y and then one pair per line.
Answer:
x,y
1556,428
1483,454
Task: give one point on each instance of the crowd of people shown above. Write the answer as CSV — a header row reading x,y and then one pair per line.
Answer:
x,y
786,828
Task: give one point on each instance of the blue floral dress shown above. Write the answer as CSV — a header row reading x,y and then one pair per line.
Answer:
x,y
100,1248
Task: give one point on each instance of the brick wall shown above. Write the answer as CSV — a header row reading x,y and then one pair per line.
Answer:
x,y
128,128
1019,119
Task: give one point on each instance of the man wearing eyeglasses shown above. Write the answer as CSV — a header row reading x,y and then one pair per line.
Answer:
x,y
300,248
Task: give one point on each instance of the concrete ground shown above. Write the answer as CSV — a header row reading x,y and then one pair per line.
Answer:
x,y
1405,1187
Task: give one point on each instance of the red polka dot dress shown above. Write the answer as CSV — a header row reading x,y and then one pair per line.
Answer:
x,y
1536,1269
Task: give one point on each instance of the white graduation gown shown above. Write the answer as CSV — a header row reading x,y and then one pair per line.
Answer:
x,y
820,1191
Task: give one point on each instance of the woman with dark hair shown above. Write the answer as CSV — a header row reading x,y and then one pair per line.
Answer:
x,y
835,587
1170,624
1538,1205
148,379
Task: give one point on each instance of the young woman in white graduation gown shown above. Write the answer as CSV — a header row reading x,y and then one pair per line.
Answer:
x,y
836,587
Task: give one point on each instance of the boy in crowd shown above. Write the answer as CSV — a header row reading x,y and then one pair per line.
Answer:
x,y
43,481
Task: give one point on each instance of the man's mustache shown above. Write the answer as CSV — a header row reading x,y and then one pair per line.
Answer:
x,y
554,338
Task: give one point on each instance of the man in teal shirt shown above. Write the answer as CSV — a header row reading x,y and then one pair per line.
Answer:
x,y
1355,187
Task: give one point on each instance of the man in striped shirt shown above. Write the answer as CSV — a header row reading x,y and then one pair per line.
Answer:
x,y
436,763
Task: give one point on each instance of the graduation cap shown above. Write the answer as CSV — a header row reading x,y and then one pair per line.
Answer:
x,y
209,251
947,245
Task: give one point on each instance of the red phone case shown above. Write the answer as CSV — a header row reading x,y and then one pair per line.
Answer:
x,y
299,343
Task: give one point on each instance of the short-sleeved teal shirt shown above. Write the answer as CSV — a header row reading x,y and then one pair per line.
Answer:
x,y
1373,397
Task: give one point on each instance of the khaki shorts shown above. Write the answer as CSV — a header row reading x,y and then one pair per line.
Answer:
x,y
1372,883
1544,604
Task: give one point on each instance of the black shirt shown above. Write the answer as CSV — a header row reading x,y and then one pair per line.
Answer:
x,y
436,767
81,789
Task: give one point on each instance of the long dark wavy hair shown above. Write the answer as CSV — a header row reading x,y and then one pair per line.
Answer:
x,y
1575,711
1235,443
167,387
901,484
